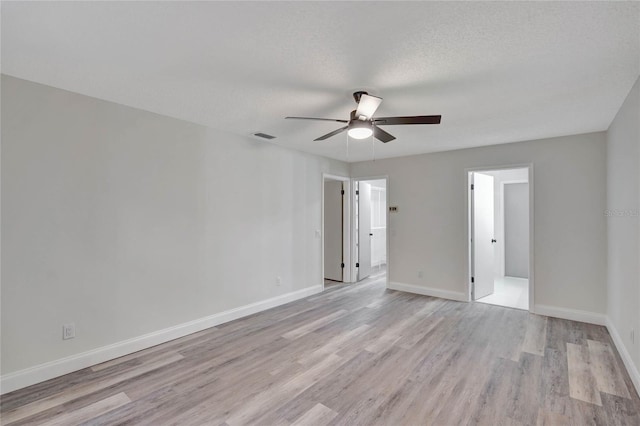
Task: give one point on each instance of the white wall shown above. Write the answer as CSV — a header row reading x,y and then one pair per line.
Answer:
x,y
127,222
623,208
428,232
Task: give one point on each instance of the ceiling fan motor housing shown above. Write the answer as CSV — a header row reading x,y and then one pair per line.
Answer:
x,y
354,117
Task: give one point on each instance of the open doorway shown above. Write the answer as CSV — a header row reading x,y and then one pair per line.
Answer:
x,y
500,258
371,229
335,231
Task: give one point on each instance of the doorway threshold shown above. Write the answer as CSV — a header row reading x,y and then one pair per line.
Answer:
x,y
510,292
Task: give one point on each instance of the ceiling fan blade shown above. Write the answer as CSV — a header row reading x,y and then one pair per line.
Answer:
x,y
381,135
368,105
335,132
319,119
416,119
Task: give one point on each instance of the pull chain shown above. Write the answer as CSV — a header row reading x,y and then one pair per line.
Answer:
x,y
347,147
373,147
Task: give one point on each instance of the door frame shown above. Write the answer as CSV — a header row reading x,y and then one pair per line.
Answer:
x,y
347,273
467,225
353,221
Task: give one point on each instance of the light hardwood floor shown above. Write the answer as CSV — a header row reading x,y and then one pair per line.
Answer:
x,y
355,354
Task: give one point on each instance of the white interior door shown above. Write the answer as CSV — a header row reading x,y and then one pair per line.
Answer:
x,y
482,234
333,230
364,230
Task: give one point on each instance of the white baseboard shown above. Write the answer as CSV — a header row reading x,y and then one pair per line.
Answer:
x,y
632,369
570,314
59,367
428,291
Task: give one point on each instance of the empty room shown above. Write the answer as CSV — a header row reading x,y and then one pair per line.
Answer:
x,y
320,213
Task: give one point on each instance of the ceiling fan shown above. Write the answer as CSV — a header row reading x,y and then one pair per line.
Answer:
x,y
361,124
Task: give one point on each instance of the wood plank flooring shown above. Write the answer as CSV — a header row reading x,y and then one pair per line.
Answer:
x,y
353,355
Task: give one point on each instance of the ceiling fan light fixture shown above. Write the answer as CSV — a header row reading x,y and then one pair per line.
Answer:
x,y
362,124
360,130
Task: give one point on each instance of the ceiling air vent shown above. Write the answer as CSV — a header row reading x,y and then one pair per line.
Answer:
x,y
264,135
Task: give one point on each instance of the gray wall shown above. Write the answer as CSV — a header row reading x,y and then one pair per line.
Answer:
x,y
127,222
516,230
623,208
428,233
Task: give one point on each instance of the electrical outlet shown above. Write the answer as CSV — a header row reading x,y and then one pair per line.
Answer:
x,y
420,274
278,280
68,331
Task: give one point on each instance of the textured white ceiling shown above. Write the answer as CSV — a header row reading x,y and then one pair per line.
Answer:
x,y
497,71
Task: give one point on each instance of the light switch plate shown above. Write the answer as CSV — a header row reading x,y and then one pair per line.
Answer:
x,y
68,331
